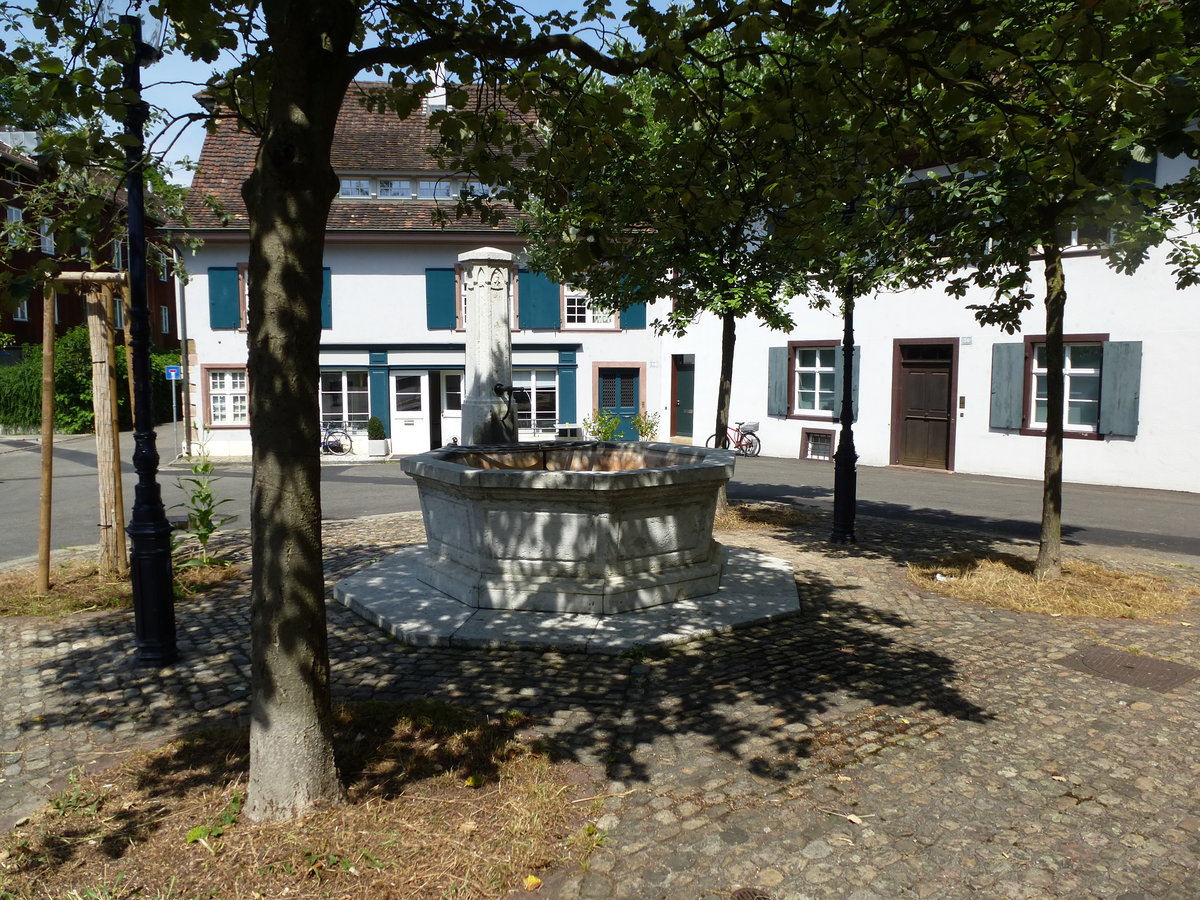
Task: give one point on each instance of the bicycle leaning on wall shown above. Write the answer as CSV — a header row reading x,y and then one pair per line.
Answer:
x,y
740,436
334,441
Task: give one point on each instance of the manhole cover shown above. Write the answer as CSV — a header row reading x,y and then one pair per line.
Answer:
x,y
750,894
1131,668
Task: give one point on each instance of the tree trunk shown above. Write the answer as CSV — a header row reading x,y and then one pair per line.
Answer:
x,y
292,767
1049,558
724,390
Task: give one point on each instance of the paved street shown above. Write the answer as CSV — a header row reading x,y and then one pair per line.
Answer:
x,y
1158,520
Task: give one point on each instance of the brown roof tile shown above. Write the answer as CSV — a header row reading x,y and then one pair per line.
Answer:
x,y
366,142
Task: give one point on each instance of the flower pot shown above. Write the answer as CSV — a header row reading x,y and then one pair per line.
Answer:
x,y
377,448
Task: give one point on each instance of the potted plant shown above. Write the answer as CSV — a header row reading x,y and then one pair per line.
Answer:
x,y
377,444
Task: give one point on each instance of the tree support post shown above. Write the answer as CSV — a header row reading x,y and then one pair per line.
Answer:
x,y
47,485
845,488
149,531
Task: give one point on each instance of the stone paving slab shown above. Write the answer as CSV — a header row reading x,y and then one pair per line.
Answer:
x,y
880,743
755,587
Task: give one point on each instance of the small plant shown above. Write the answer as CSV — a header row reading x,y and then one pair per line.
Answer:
x,y
202,505
646,425
602,425
375,430
201,833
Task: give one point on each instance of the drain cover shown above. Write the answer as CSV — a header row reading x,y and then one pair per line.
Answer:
x,y
750,894
1131,668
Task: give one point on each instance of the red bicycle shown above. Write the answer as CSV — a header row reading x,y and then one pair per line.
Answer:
x,y
740,437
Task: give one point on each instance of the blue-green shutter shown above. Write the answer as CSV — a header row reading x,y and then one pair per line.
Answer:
x,y
224,299
326,298
634,316
567,386
1120,387
1008,385
777,381
839,369
441,311
377,387
538,301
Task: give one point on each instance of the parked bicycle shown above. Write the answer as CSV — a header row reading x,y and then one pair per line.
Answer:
x,y
740,437
334,441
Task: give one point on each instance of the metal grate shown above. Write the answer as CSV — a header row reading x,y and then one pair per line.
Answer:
x,y
1131,668
749,893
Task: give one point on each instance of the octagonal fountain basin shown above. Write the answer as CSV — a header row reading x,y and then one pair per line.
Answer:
x,y
577,527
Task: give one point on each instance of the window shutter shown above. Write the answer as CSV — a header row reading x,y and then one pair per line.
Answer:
x,y
777,381
539,302
1120,387
839,370
1008,385
634,316
441,311
1142,171
567,386
224,299
326,298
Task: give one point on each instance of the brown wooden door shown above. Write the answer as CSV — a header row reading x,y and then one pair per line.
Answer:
x,y
925,404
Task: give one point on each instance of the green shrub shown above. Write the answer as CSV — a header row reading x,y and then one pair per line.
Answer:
x,y
375,430
602,425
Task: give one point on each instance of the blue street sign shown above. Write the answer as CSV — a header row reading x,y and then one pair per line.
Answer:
x,y
174,373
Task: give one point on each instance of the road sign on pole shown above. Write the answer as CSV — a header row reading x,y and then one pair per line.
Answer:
x,y
174,373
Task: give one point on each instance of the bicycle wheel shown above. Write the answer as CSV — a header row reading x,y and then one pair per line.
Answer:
x,y
751,445
338,443
720,441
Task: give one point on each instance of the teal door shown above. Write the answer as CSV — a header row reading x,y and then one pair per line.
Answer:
x,y
683,389
619,393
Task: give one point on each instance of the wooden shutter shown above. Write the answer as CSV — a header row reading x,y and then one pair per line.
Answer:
x,y
326,298
224,299
1008,385
839,370
634,316
441,310
1120,387
539,303
777,381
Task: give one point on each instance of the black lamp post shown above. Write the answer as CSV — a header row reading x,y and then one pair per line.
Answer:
x,y
845,490
149,531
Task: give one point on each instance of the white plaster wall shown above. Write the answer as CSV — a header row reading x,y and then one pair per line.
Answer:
x,y
1145,307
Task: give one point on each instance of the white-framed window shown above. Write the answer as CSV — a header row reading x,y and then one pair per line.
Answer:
x,y
118,313
536,398
345,398
228,398
579,313
813,388
1081,386
356,188
46,235
436,190
21,312
13,217
395,189
408,393
164,319
452,391
118,255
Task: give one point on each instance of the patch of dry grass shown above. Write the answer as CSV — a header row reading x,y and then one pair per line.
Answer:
x,y
441,803
761,516
1086,589
77,586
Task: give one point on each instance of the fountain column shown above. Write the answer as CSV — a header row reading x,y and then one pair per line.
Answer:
x,y
487,308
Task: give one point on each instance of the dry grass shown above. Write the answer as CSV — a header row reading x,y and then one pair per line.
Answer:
x,y
442,804
77,586
761,516
1086,589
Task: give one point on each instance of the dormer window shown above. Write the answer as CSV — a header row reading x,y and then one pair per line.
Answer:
x,y
436,190
356,187
394,189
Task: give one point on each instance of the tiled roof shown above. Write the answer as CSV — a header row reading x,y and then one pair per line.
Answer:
x,y
366,142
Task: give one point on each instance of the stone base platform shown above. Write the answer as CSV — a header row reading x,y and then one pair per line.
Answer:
x,y
755,588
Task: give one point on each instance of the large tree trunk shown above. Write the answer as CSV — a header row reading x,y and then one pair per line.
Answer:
x,y
288,196
1049,559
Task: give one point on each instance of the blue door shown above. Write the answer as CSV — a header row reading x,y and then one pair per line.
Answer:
x,y
619,393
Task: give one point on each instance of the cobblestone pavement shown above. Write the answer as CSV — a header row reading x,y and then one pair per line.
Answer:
x,y
882,743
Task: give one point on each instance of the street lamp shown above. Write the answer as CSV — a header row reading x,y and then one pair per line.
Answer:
x,y
149,531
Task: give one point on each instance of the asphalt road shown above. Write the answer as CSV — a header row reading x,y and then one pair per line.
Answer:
x,y
1160,520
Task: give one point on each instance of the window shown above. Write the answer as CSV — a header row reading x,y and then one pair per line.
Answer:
x,y
452,391
21,312
228,402
813,390
345,399
13,217
536,398
395,188
436,190
118,254
46,233
356,187
1101,386
164,318
1081,386
408,393
118,313
816,445
579,313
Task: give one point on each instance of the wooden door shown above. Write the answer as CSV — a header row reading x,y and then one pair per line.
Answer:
x,y
925,405
683,389
619,393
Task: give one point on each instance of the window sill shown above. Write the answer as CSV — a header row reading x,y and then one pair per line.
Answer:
x,y
233,426
1073,435
813,417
